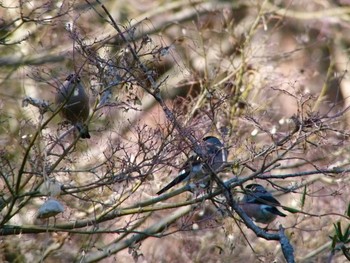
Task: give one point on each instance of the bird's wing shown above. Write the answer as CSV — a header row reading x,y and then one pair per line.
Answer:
x,y
264,199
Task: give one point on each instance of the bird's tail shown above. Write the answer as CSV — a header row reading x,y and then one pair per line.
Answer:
x,y
83,130
176,181
275,211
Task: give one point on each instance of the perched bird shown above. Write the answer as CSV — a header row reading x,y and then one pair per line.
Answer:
x,y
76,104
259,204
196,169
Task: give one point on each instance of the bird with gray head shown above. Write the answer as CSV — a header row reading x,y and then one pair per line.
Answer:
x,y
196,169
259,204
76,104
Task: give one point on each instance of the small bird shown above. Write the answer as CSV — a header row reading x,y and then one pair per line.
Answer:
x,y
196,169
76,109
259,204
